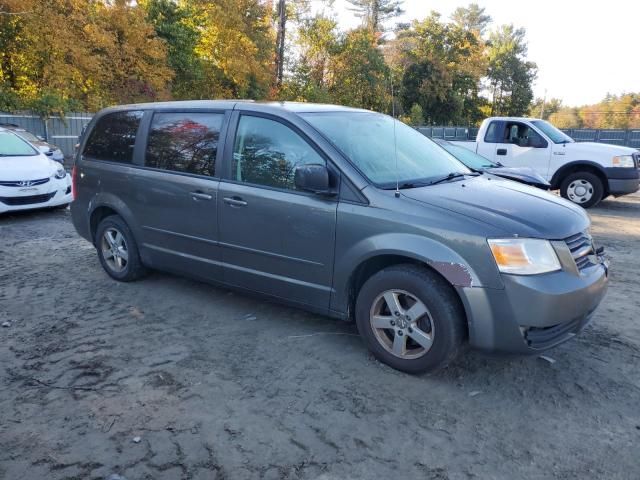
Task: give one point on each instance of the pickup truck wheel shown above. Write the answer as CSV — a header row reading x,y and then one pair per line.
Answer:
x,y
118,250
410,319
582,188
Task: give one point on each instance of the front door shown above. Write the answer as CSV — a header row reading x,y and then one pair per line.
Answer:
x,y
275,239
175,196
522,146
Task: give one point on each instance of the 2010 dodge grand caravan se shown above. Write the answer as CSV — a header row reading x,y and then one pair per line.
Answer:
x,y
340,211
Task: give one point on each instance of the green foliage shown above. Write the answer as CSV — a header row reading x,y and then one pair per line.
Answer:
x,y
416,115
471,18
510,75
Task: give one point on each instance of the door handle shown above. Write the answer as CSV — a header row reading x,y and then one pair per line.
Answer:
x,y
235,201
201,196
501,151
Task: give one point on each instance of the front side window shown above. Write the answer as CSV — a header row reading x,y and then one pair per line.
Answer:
x,y
523,135
184,142
114,137
12,145
383,149
267,152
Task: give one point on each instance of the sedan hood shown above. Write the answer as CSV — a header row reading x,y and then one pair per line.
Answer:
x,y
26,168
515,208
525,175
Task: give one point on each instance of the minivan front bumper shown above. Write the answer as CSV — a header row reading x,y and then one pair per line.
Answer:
x,y
533,313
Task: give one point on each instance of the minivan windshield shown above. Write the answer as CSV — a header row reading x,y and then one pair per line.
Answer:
x,y
556,136
12,145
368,140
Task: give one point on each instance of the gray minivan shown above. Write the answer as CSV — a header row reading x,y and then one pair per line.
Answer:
x,y
343,212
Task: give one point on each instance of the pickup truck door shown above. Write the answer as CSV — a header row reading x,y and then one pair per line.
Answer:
x,y
522,146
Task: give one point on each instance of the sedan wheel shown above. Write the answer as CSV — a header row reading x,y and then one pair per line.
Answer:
x,y
114,249
402,324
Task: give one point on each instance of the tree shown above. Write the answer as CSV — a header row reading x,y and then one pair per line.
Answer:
x,y
510,74
471,18
359,72
440,66
544,108
105,53
375,12
172,23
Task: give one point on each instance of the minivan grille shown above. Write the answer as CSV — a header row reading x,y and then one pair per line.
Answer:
x,y
581,246
23,183
28,200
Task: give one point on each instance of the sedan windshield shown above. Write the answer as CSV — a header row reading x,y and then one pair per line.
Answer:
x,y
385,150
556,136
13,146
469,158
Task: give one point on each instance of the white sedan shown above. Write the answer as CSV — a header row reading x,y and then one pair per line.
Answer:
x,y
28,178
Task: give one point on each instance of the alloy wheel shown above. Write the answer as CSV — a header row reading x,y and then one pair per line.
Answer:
x,y
402,324
114,249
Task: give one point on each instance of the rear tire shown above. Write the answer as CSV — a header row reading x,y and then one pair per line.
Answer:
x,y
582,188
410,318
117,250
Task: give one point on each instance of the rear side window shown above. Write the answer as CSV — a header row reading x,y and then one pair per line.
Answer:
x,y
494,133
184,142
114,137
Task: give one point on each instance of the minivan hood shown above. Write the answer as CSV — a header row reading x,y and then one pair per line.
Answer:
x,y
515,208
26,168
596,151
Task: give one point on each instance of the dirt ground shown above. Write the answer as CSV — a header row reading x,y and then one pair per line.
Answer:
x,y
168,378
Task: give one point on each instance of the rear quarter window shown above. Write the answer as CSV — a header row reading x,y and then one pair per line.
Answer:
x,y
494,133
114,137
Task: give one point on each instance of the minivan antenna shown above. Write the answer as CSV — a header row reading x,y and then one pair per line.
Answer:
x,y
395,143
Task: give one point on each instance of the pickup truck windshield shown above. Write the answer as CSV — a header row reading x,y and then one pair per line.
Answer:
x,y
367,140
556,136
12,145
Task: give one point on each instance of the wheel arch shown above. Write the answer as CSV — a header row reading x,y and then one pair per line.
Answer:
x,y
104,205
351,275
580,166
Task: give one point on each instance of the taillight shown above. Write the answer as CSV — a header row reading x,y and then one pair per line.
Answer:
x,y
74,181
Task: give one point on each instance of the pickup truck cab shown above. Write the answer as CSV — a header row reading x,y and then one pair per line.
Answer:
x,y
339,211
585,172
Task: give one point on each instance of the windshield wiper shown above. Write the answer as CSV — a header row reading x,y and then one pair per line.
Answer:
x,y
450,176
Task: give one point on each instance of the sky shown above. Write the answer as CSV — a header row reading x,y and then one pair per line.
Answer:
x,y
583,49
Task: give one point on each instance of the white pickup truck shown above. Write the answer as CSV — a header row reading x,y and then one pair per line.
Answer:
x,y
585,172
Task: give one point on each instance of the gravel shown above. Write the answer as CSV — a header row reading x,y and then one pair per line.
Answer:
x,y
216,384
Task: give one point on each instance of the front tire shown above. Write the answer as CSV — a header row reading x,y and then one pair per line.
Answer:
x,y
582,188
410,318
118,250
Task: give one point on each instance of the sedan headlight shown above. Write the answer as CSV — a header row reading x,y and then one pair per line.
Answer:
x,y
524,256
60,173
623,161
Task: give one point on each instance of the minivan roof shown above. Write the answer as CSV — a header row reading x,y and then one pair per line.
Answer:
x,y
296,107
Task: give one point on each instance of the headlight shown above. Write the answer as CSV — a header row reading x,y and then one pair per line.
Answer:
x,y
60,173
623,161
524,256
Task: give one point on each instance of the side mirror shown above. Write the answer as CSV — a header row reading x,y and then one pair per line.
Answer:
x,y
313,178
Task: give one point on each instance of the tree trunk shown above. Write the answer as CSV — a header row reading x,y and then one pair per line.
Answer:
x,y
281,28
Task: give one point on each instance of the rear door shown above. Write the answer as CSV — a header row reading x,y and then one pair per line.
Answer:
x,y
275,239
175,193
